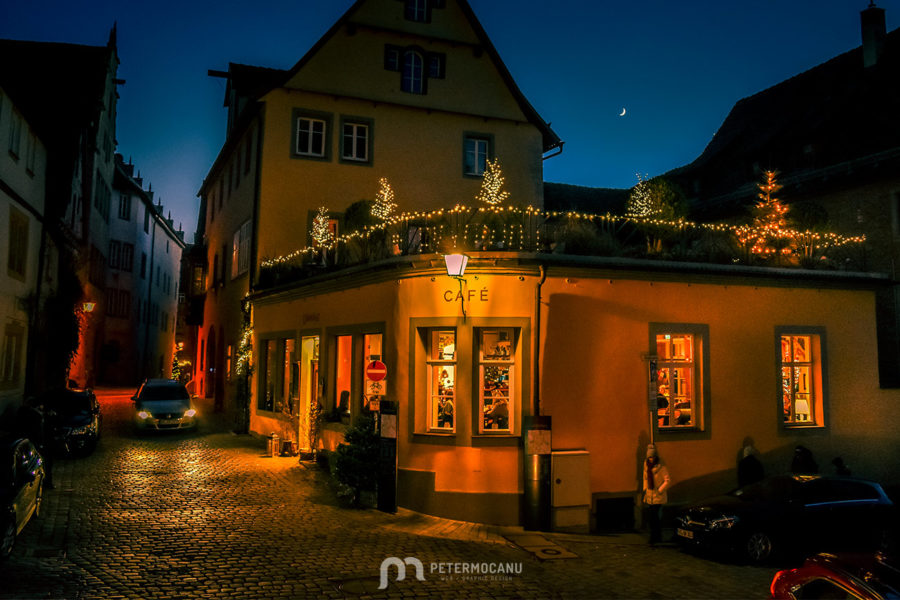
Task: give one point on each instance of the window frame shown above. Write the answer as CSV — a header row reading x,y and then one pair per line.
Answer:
x,y
701,402
481,362
281,340
124,207
432,364
417,11
819,371
412,74
17,247
352,121
326,119
11,363
240,250
476,137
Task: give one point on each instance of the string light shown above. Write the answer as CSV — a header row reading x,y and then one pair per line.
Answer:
x,y
492,192
384,200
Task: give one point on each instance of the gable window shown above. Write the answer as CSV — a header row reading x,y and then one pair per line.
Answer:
x,y
416,10
413,80
679,382
356,140
17,255
802,383
476,152
497,396
436,66
441,361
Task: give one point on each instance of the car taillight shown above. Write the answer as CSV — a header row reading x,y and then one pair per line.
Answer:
x,y
774,588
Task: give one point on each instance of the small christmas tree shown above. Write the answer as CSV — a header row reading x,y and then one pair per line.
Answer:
x,y
770,236
384,201
321,233
492,192
640,201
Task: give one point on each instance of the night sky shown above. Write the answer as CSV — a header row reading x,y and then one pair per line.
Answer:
x,y
676,67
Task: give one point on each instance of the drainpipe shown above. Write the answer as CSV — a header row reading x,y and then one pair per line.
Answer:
x,y
536,497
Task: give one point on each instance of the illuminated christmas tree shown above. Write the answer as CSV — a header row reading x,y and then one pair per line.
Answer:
x,y
492,192
384,201
321,233
640,201
770,233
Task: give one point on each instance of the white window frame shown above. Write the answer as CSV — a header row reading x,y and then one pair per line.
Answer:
x,y
416,11
437,362
358,135
677,382
479,153
306,125
802,380
500,354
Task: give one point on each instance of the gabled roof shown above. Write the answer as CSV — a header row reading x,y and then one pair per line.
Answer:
x,y
835,113
255,81
58,87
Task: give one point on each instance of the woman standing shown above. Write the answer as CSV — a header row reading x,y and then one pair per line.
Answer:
x,y
656,484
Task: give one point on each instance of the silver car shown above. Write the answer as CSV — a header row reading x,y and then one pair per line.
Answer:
x,y
163,405
22,488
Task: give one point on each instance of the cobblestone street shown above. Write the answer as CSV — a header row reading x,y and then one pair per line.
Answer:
x,y
207,515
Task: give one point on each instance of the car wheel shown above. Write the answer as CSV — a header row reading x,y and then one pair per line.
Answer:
x,y
9,537
759,547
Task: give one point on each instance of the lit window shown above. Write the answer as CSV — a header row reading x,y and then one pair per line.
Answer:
x,y
355,145
476,153
442,380
310,137
277,376
801,379
497,399
240,250
675,380
413,78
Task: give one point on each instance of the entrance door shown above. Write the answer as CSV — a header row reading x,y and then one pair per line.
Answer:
x,y
310,389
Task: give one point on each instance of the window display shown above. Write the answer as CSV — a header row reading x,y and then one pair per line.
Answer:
x,y
442,380
797,379
497,364
675,380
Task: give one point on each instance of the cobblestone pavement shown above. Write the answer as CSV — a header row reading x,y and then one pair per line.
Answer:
x,y
207,515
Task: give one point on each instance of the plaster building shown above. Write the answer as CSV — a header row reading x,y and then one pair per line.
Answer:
x,y
425,102
144,267
80,137
832,133
23,171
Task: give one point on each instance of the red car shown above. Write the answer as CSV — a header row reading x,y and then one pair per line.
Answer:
x,y
856,576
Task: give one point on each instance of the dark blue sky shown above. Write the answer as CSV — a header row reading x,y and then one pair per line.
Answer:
x,y
677,68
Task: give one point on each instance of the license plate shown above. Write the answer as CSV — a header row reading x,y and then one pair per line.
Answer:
x,y
685,533
168,421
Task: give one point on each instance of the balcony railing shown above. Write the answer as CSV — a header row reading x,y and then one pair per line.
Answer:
x,y
514,229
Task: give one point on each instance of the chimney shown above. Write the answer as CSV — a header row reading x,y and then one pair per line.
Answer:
x,y
873,32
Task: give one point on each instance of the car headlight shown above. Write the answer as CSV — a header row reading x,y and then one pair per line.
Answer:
x,y
144,414
723,522
190,412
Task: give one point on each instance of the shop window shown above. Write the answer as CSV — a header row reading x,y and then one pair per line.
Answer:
x,y
496,376
678,380
801,386
278,378
342,373
441,366
309,384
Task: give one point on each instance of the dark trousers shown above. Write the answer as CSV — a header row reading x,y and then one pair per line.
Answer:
x,y
653,512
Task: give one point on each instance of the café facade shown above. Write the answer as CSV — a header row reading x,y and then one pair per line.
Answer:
x,y
700,359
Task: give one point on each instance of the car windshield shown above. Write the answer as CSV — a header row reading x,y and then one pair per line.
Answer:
x,y
69,404
163,392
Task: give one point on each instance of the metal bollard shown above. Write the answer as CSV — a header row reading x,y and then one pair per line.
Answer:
x,y
273,444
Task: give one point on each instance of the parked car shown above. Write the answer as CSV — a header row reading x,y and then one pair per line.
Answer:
x,y
21,488
857,576
789,513
163,405
74,419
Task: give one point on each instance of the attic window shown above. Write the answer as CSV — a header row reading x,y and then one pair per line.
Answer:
x,y
417,10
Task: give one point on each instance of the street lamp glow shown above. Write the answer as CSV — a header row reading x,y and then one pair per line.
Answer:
x,y
88,306
456,264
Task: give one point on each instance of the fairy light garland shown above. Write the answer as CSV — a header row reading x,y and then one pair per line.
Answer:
x,y
465,234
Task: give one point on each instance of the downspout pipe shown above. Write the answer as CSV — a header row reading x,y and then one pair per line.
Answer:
x,y
536,392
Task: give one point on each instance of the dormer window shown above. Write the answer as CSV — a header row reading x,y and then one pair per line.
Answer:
x,y
415,66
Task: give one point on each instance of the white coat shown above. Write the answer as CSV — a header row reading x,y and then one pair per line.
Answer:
x,y
658,495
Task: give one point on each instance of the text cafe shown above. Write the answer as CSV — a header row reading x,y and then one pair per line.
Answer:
x,y
778,357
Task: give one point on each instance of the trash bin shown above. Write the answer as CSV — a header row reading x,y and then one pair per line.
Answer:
x,y
273,444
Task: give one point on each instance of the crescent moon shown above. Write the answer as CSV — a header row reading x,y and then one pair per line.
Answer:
x,y
622,114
